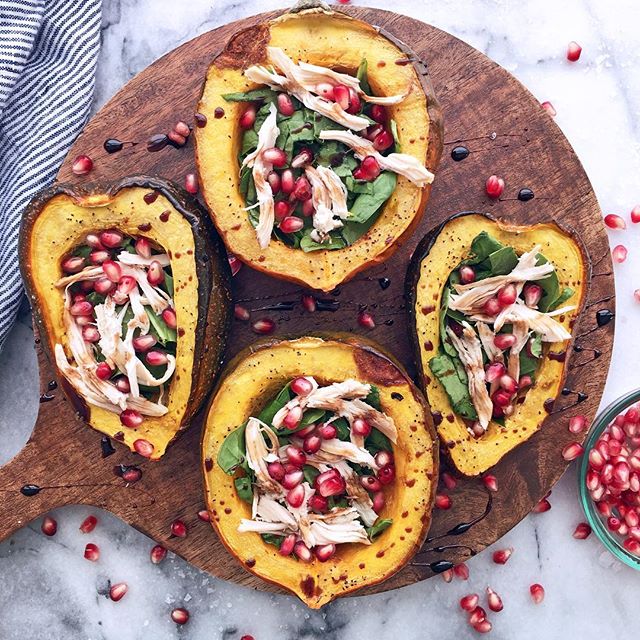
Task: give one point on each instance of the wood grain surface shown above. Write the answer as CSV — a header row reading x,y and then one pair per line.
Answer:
x,y
507,133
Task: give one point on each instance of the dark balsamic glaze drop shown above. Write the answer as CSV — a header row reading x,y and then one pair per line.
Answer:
x,y
525,194
397,396
604,316
157,142
440,566
218,113
389,322
52,385
47,397
106,446
548,405
113,145
30,490
327,305
384,283
278,306
459,153
201,120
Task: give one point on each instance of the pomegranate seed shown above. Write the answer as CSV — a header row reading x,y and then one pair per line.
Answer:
x,y
204,515
251,637
501,556
477,615
383,458
111,239
447,575
178,529
275,156
532,294
501,398
537,593
325,551
592,480
632,519
122,384
282,210
371,483
295,496
302,189
383,140
292,479
104,371
448,480
93,241
361,427
573,51
327,431
469,602
373,131
155,273
302,551
49,526
494,186
248,118
312,444
365,320
169,317
284,103
291,224
494,600
467,274
306,431
572,451
287,181
494,371
483,626
525,382
131,418
355,104
276,470
143,247
112,270
504,341
182,128
490,482
91,552
126,285
379,113
492,307
325,90
82,165
387,474
82,308
549,108
90,334
596,459
301,386
368,170
341,96
507,295
635,214
156,358
104,286
318,503
180,615
234,264
286,548
292,419
274,182
604,509
309,303
143,448
158,554
508,384
542,506
631,545
378,502
144,343
330,483
118,591
301,159
443,501
614,221
621,473
240,312
88,524
264,326
74,264
577,424
619,253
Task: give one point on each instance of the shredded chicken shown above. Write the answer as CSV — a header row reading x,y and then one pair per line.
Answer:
x,y
269,517
329,196
88,273
339,526
522,335
470,351
258,454
486,337
544,324
471,297
357,494
133,259
401,163
260,169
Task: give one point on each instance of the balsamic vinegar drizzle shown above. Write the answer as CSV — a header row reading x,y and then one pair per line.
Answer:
x,y
525,194
107,447
459,153
604,316
463,527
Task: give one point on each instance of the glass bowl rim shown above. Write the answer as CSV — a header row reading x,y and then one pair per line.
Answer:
x,y
604,418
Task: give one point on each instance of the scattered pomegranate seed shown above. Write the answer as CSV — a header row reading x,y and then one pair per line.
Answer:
x,y
324,552
143,448
383,458
361,427
191,183
494,186
387,474
549,108
461,571
155,273
292,479
82,165
501,556
369,169
483,626
443,501
467,274
490,482
91,552
204,515
291,224
302,551
619,253
469,602
301,159
614,221
537,593
158,554
635,214
448,480
365,320
572,451
118,591
532,294
88,524
131,418
248,118
179,529
447,575
292,420
251,637
330,483
582,531
301,386
325,90
542,506
241,313
264,326
82,308
286,548
327,431
507,295
284,104
111,239
275,156
494,600
378,501
477,615
577,424
504,341
573,51
492,307
309,303
235,264
49,526
180,616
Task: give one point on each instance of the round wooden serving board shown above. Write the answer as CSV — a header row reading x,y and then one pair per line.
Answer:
x,y
507,132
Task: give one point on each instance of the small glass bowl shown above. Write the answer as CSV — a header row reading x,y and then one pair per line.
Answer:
x,y
611,541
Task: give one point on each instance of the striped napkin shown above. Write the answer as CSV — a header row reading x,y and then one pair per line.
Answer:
x,y
48,55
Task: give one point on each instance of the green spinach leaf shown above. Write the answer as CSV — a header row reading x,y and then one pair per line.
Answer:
x,y
363,76
251,96
378,527
232,451
244,489
366,205
266,415
443,367
270,538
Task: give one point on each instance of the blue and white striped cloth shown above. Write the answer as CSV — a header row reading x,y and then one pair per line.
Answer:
x,y
48,55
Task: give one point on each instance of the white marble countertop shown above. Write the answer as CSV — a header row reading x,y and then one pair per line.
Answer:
x,y
47,589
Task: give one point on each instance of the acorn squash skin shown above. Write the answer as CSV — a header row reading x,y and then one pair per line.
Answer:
x,y
435,257
331,39
62,215
261,370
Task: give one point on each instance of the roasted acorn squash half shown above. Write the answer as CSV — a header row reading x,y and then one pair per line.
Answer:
x,y
63,227
542,365
248,382
337,42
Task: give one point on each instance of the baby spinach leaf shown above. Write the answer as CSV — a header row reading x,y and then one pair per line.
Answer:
x,y
528,364
502,261
377,441
342,427
378,528
373,398
267,414
271,538
159,329
394,132
352,231
96,298
482,246
232,451
444,369
251,96
310,416
444,311
567,292
363,76
244,489
310,473
535,345
366,205
335,242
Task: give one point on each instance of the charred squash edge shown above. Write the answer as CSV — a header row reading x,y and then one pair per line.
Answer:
x,y
212,270
413,276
